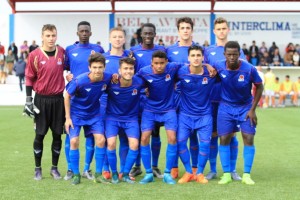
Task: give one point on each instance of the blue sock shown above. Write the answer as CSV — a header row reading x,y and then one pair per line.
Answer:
x,y
74,159
249,152
170,156
184,156
234,150
89,152
155,148
138,159
194,149
99,157
112,159
213,154
203,155
67,151
105,164
225,157
123,150
146,157
130,159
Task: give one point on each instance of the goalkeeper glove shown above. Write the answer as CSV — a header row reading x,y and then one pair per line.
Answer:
x,y
30,109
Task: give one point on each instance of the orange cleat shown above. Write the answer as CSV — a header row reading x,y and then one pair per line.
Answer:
x,y
187,177
201,179
106,174
174,172
121,176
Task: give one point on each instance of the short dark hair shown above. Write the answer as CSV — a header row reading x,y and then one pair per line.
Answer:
x,y
84,23
195,47
220,20
127,60
232,45
186,20
149,25
96,57
269,69
49,27
287,76
159,54
277,78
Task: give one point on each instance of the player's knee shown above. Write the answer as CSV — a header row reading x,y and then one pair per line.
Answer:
x,y
225,139
99,140
248,139
111,145
214,134
74,142
172,139
134,145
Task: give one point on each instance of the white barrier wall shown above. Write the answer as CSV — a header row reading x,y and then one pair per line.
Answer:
x,y
281,28
166,28
28,27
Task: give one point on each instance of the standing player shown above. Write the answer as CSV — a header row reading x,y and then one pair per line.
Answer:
x,y
296,88
269,88
237,108
195,87
122,114
143,55
77,63
213,54
112,58
44,75
159,108
179,53
83,110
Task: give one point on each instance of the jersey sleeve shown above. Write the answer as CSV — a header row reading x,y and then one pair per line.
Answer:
x,y
255,76
67,60
72,87
31,69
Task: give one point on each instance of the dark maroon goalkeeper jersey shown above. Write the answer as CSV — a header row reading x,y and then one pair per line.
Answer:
x,y
45,73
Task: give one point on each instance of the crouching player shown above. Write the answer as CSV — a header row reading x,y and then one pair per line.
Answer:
x,y
237,107
194,113
83,109
122,114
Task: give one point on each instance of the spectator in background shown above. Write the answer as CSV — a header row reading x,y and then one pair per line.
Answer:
x,y
138,32
205,44
2,49
161,42
253,48
269,88
277,87
246,52
288,58
19,68
262,62
296,58
290,47
272,49
33,46
297,48
254,59
134,40
262,49
267,58
24,49
296,88
2,69
286,88
10,60
14,50
276,58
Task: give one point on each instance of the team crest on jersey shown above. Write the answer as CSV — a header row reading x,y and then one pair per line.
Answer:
x,y
59,61
75,54
106,61
103,87
187,80
93,52
88,89
116,93
43,62
241,78
213,53
140,55
175,52
204,81
134,92
168,77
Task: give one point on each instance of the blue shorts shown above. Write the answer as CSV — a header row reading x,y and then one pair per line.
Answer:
x,y
215,107
95,128
188,124
150,118
230,118
132,129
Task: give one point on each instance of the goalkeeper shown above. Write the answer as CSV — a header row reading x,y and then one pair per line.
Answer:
x,y
44,75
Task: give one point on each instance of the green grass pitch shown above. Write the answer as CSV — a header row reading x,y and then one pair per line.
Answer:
x,y
275,170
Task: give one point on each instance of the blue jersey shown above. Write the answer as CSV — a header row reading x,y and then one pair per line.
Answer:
x,y
76,57
112,61
143,56
160,87
85,95
212,54
178,53
195,91
236,85
123,102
